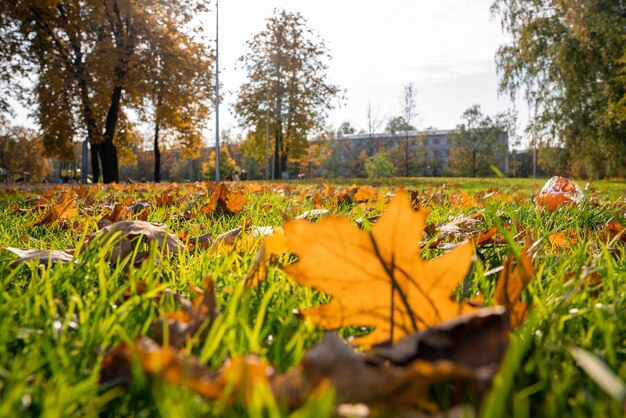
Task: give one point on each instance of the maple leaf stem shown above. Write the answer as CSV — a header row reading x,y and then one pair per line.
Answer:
x,y
395,287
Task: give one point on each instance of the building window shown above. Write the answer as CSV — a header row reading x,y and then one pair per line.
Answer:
x,y
436,140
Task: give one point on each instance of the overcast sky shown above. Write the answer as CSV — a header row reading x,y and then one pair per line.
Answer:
x,y
446,48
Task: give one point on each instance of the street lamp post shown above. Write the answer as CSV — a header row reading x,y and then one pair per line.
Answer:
x,y
267,137
217,92
85,158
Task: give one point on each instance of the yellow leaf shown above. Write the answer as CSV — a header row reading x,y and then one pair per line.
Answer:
x,y
224,201
65,209
237,377
512,281
235,201
365,193
377,277
274,245
562,240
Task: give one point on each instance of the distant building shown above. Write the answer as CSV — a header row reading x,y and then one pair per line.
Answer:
x,y
434,147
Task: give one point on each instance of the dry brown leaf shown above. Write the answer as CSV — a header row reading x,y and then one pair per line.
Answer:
x,y
202,241
512,282
562,240
462,354
365,193
139,207
224,201
151,231
227,240
477,339
183,324
256,188
589,278
127,230
613,231
273,246
164,199
485,237
462,200
118,214
313,215
44,257
238,376
459,227
377,278
416,201
461,411
372,379
235,201
65,209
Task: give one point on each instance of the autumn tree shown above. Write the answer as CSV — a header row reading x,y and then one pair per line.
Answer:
x,y
374,123
356,150
128,140
356,166
398,124
287,82
345,128
176,96
332,165
568,58
228,165
21,150
478,142
379,165
407,150
84,57
318,151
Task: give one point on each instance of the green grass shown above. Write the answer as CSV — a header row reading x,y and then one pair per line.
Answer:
x,y
57,322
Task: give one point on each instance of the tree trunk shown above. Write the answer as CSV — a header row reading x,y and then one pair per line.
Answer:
x,y
277,143
474,163
90,123
157,153
406,156
95,161
283,162
108,154
108,157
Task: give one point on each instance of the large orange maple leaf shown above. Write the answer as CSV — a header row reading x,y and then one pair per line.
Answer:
x,y
377,278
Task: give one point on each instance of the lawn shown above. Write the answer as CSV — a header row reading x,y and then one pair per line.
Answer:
x,y
69,330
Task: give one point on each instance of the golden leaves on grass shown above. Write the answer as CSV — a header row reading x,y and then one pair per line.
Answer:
x,y
237,377
224,201
365,193
65,209
175,327
377,278
463,354
563,240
